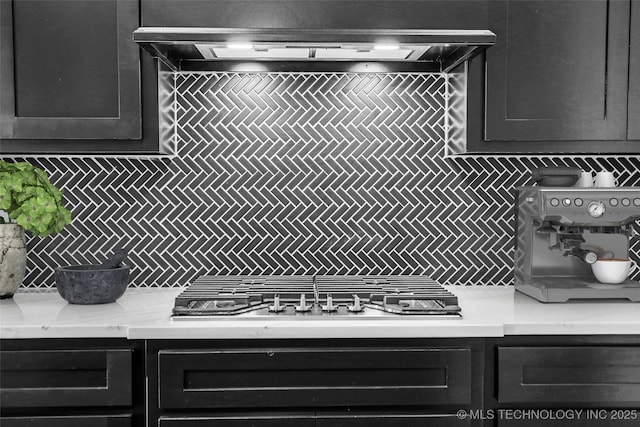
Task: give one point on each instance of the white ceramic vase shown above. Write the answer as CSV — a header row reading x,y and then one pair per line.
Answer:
x,y
13,258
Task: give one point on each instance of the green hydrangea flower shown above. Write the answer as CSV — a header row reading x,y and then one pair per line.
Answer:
x,y
29,199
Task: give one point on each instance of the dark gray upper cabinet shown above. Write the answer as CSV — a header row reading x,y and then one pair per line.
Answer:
x,y
70,79
634,73
558,70
69,70
431,14
560,79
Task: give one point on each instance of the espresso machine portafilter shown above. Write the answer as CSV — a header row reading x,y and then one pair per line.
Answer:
x,y
561,231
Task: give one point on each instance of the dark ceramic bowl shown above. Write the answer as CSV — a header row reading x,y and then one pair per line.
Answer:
x,y
91,284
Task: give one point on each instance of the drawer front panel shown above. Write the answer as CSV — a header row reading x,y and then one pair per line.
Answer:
x,y
400,420
72,421
585,419
569,375
314,377
65,378
361,420
275,420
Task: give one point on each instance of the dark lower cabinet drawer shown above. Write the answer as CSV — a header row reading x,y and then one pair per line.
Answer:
x,y
309,420
395,420
314,377
569,375
595,418
65,378
68,421
275,420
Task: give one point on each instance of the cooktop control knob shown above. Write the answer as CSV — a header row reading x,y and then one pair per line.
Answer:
x,y
596,208
356,306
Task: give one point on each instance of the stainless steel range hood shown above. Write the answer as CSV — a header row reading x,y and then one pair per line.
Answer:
x,y
189,49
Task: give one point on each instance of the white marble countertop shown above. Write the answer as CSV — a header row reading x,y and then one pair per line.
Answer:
x,y
145,314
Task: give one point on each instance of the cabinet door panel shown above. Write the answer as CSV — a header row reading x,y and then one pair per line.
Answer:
x,y
634,72
582,420
314,377
65,378
387,420
558,70
436,14
275,420
69,70
569,375
68,421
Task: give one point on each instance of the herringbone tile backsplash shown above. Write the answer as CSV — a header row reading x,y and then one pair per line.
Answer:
x,y
299,174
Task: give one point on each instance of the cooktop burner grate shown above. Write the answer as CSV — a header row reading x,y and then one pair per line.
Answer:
x,y
315,295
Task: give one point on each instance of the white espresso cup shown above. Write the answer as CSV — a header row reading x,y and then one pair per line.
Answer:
x,y
613,270
585,180
605,179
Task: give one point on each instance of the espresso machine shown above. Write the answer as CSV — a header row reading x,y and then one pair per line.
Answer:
x,y
561,231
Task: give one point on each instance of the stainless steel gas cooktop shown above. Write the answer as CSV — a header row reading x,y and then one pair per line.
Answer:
x,y
314,297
